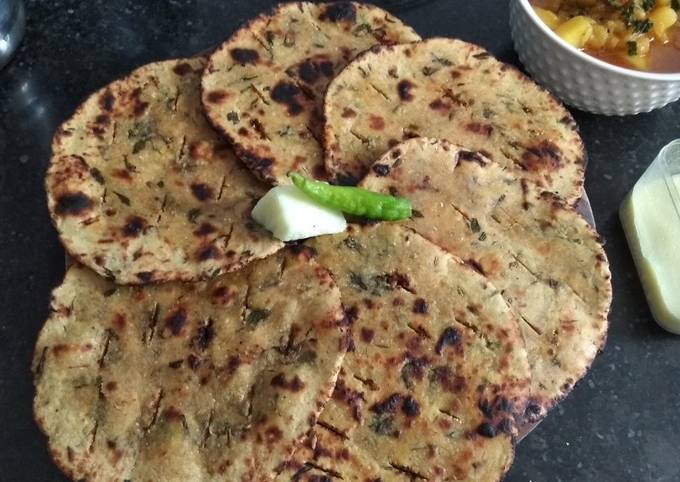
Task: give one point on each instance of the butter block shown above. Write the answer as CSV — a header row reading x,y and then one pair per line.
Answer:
x,y
291,215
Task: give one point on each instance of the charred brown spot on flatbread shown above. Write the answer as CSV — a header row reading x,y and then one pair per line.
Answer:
x,y
217,96
244,56
470,156
259,128
450,337
205,336
102,119
404,89
388,405
348,113
354,399
420,306
205,229
208,252
107,101
367,335
260,165
73,204
410,406
289,95
139,106
447,379
183,68
480,128
122,174
176,321
545,156
475,265
293,385
134,225
441,106
381,169
313,69
376,122
202,191
339,12
347,180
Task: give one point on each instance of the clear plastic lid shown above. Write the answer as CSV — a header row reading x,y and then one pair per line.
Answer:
x,y
669,160
650,215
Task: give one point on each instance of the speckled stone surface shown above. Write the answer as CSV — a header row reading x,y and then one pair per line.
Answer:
x,y
621,423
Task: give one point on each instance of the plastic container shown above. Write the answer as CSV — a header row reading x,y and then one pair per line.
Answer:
x,y
650,215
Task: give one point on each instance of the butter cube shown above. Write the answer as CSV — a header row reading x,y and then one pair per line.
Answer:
x,y
290,215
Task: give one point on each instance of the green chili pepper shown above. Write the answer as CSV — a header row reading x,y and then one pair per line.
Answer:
x,y
354,200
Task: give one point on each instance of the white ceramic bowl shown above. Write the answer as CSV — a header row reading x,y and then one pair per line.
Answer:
x,y
583,81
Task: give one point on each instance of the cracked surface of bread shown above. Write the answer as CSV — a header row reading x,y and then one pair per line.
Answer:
x,y
454,90
142,189
543,256
264,87
210,381
436,374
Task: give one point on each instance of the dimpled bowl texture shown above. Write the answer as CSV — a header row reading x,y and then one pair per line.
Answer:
x,y
583,81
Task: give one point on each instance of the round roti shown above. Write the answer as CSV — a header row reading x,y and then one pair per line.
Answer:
x,y
264,87
187,382
457,91
437,371
142,189
543,256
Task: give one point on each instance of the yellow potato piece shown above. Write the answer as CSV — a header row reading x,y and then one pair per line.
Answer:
x,y
616,26
663,18
599,37
576,31
638,62
643,45
549,18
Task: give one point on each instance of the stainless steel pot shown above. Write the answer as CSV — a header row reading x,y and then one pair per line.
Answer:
x,y
12,24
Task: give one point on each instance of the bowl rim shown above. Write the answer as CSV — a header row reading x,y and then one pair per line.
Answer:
x,y
667,77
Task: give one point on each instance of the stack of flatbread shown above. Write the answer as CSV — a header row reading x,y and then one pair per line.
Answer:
x,y
186,343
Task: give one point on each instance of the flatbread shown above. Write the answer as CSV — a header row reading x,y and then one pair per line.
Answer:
x,y
457,91
142,189
264,86
543,256
212,381
437,372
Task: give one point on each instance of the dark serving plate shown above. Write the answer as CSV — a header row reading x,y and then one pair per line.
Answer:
x,y
619,424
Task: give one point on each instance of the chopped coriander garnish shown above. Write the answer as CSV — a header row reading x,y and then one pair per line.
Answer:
x,y
632,48
257,316
642,26
628,14
363,28
233,117
675,4
648,4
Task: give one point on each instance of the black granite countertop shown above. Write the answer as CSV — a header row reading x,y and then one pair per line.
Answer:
x,y
621,423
